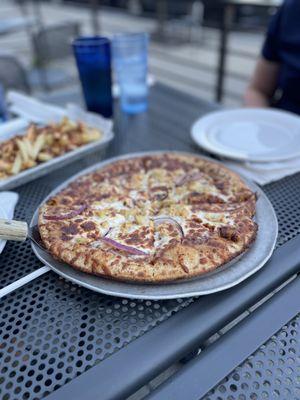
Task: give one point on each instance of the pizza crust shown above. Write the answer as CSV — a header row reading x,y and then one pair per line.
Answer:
x,y
167,217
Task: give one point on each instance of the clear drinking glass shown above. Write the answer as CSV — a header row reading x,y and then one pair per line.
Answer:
x,y
130,60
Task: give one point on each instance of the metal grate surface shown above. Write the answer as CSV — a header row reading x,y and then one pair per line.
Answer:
x,y
17,259
51,331
272,372
284,195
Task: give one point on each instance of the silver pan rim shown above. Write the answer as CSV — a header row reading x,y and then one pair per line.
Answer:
x,y
221,279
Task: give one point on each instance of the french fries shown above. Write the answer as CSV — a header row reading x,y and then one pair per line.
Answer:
x,y
41,144
4,166
29,148
38,145
91,136
23,150
17,164
44,156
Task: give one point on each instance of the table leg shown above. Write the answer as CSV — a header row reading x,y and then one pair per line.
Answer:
x,y
94,5
228,13
161,14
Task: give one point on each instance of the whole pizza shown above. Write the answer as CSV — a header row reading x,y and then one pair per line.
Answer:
x,y
152,218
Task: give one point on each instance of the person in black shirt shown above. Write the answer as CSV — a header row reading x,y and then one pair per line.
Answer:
x,y
276,80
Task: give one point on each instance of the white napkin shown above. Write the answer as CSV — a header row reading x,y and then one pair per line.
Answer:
x,y
264,173
37,111
8,201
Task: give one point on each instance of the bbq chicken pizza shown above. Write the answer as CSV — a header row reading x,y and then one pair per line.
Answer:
x,y
152,218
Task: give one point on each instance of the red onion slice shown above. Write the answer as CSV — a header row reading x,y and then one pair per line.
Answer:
x,y
68,215
161,220
188,178
123,247
160,196
159,193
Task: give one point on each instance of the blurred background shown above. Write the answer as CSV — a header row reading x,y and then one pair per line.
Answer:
x,y
206,48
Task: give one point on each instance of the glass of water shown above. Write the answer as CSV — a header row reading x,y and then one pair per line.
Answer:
x,y
130,60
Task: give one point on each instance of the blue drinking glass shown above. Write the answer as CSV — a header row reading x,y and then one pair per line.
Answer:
x,y
130,59
93,58
3,109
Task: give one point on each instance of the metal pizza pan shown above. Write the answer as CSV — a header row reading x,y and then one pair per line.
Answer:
x,y
227,276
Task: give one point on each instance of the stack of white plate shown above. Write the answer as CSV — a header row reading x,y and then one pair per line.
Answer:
x,y
257,136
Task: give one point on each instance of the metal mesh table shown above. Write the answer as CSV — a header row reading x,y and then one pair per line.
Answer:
x,y
53,331
272,372
261,354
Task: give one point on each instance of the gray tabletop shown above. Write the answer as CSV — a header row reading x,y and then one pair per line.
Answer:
x,y
166,125
65,341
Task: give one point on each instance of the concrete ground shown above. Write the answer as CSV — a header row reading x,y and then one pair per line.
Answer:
x,y
190,67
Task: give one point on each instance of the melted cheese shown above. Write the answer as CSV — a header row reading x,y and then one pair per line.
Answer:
x,y
216,219
130,218
124,232
108,204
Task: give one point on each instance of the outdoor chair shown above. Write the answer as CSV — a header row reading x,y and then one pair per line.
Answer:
x,y
191,25
53,44
135,7
13,74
